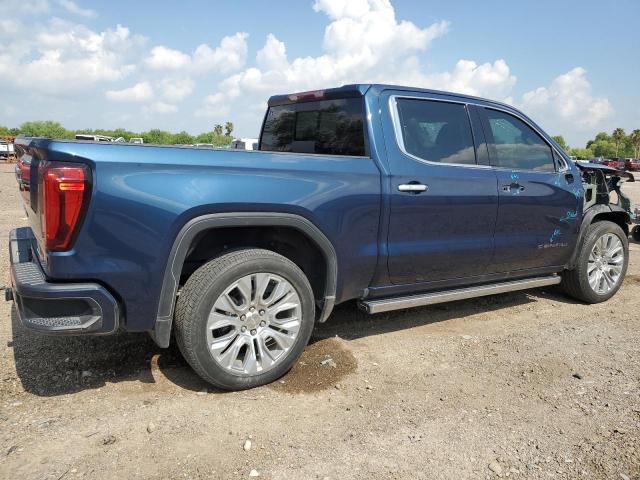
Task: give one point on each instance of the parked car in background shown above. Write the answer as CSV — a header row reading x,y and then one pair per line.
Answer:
x,y
136,140
395,197
244,144
93,138
613,163
23,172
100,138
632,165
6,149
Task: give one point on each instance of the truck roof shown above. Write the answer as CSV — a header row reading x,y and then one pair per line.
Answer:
x,y
359,89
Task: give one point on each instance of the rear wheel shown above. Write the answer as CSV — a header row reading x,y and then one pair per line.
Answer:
x,y
601,264
244,318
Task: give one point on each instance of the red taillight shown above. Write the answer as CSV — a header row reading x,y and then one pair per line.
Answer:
x,y
62,191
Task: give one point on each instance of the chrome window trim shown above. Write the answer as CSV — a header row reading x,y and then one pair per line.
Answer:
x,y
397,127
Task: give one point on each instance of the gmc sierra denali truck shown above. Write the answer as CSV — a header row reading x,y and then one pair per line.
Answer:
x,y
396,197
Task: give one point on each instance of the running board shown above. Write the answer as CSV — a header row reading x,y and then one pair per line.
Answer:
x,y
397,303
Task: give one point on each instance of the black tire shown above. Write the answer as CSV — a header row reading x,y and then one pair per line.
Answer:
x,y
635,233
576,282
205,286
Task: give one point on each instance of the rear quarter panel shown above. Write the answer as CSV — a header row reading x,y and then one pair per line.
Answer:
x,y
143,195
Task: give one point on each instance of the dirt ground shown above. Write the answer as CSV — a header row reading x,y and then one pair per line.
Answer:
x,y
521,385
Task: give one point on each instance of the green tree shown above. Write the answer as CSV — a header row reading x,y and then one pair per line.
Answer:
x,y
635,142
219,137
605,149
159,137
183,138
45,128
206,137
581,152
559,139
618,137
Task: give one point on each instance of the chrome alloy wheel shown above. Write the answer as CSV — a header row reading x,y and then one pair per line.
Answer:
x,y
254,323
606,261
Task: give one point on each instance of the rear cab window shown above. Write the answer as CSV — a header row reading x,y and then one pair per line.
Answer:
x,y
329,127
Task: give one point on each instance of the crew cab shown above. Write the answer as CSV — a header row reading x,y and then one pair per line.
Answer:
x,y
392,196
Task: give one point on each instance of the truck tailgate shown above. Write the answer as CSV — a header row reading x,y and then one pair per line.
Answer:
x,y
29,188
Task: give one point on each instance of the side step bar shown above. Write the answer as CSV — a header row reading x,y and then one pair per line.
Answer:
x,y
398,303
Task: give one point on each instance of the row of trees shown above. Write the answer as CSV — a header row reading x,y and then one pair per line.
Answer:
x,y
615,145
219,136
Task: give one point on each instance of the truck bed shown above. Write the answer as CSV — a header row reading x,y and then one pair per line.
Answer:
x,y
142,195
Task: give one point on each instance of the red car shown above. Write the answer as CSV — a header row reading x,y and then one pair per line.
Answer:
x,y
632,165
23,172
613,163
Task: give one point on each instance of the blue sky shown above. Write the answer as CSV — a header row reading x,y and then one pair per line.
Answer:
x,y
573,66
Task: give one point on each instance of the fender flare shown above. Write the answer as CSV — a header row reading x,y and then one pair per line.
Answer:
x,y
161,332
587,219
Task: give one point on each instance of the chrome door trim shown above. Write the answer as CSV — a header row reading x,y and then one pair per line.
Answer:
x,y
397,127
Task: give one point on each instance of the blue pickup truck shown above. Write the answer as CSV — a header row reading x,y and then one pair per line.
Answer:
x,y
392,196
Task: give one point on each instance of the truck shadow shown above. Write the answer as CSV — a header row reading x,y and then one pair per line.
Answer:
x,y
50,366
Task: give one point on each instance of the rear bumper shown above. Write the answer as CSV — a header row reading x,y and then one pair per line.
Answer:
x,y
57,308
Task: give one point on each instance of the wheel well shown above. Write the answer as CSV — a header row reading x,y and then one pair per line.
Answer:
x,y
619,218
286,241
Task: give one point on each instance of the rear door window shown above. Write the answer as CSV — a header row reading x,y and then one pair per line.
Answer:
x,y
436,131
331,127
514,144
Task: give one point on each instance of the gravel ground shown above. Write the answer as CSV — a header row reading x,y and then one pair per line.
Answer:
x,y
522,385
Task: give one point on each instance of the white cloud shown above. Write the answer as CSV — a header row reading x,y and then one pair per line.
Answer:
x,y
176,89
568,101
493,80
29,7
140,92
65,58
9,27
51,63
162,108
215,105
163,58
363,42
273,56
73,7
230,55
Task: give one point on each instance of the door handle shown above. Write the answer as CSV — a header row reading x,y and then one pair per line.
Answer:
x,y
513,187
412,187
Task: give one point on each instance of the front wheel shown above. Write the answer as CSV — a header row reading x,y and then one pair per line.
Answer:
x,y
244,318
601,264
